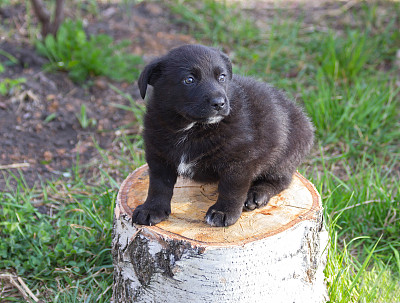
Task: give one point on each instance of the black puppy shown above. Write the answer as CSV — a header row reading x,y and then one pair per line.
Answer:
x,y
204,123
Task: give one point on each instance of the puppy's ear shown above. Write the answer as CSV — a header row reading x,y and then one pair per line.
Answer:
x,y
228,63
149,75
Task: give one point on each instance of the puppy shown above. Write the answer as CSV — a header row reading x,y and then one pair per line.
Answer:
x,y
203,122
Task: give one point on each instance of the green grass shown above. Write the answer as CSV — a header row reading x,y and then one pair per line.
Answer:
x,y
84,120
65,244
207,21
344,76
82,56
9,86
348,114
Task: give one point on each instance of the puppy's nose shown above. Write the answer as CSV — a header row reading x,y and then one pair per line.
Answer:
x,y
217,103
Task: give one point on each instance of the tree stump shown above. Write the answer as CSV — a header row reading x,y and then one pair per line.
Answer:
x,y
273,254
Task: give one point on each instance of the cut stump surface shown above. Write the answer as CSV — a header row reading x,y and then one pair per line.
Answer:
x,y
275,248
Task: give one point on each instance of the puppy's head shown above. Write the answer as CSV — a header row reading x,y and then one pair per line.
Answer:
x,y
191,80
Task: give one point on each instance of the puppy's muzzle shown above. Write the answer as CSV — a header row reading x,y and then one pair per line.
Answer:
x,y
217,103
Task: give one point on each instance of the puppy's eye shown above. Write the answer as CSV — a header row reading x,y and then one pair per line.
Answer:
x,y
188,80
221,78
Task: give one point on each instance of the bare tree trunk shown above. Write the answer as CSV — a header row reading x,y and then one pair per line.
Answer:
x,y
58,16
44,17
273,254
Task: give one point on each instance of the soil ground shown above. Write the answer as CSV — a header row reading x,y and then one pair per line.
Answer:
x,y
45,149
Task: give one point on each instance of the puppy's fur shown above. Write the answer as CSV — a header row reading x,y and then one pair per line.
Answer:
x,y
204,123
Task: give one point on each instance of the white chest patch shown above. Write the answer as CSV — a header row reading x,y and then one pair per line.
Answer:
x,y
185,168
214,119
189,126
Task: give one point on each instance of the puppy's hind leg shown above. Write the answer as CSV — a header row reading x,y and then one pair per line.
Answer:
x,y
264,188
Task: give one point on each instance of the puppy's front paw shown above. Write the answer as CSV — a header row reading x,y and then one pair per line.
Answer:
x,y
145,215
216,217
256,197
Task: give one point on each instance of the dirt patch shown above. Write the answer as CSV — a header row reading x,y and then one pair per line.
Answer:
x,y
40,132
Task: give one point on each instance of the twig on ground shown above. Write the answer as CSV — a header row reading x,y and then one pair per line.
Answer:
x,y
18,283
27,289
345,7
14,165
